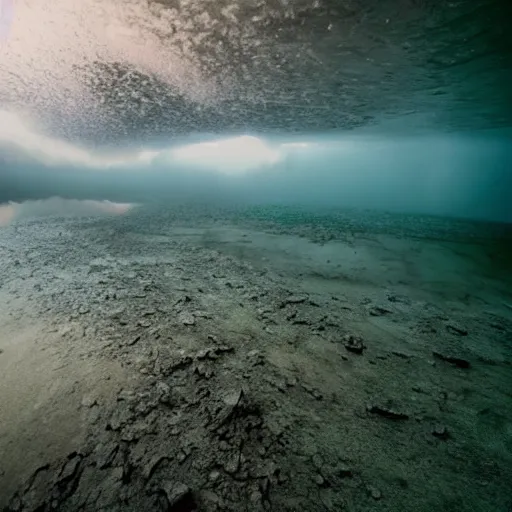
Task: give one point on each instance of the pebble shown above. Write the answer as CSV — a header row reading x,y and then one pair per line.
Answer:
x,y
291,382
214,476
344,471
186,318
294,299
379,311
88,402
456,330
319,480
440,432
182,456
354,344
374,492
256,497
317,461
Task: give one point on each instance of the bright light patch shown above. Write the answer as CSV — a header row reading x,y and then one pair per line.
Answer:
x,y
62,207
6,16
232,156
298,145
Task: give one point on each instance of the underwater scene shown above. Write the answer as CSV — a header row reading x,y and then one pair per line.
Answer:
x,y
255,256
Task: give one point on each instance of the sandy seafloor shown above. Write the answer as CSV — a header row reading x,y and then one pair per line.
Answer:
x,y
263,358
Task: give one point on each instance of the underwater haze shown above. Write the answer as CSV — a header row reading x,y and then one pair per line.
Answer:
x,y
451,174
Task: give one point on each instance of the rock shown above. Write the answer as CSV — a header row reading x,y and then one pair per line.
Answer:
x,y
264,487
203,372
232,464
105,454
312,391
319,480
223,349
456,361
291,382
232,401
202,314
152,465
387,412
293,299
291,315
181,363
164,392
488,360
234,398
456,329
119,418
440,432
354,344
401,355
276,383
214,476
211,501
179,496
125,395
133,341
117,314
317,395
203,354
374,492
89,402
317,461
379,311
256,357
186,318
343,471
282,478
70,467
398,298
255,497
182,456
301,321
